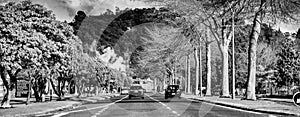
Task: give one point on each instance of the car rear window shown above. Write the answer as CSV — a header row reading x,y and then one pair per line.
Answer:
x,y
173,87
136,87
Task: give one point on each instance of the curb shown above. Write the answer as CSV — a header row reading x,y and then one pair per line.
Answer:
x,y
52,110
277,101
61,108
287,113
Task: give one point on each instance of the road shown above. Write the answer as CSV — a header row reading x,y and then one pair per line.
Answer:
x,y
154,105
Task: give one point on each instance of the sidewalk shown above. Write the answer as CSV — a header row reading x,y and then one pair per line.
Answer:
x,y
21,109
264,105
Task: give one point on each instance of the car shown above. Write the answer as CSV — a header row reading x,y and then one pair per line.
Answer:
x,y
124,91
172,91
136,91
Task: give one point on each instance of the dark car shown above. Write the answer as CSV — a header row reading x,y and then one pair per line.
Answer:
x,y
136,91
172,91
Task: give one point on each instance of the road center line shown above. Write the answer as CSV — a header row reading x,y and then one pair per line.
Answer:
x,y
174,112
65,113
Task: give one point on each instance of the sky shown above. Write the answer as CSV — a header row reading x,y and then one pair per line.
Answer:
x,y
66,9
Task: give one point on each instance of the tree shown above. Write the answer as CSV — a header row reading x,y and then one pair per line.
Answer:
x,y
215,15
287,10
288,64
162,55
78,19
19,48
30,38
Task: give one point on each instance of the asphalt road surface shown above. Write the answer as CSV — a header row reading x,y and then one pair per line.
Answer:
x,y
154,105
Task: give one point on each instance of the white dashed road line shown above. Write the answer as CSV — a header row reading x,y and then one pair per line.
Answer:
x,y
174,112
98,107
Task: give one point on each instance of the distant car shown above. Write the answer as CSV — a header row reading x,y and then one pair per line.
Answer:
x,y
172,91
124,91
136,91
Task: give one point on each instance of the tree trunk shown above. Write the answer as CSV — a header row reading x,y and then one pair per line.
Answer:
x,y
78,90
55,89
173,75
225,82
29,91
155,85
62,93
7,96
188,74
96,90
208,69
164,83
200,70
196,55
250,91
9,81
37,96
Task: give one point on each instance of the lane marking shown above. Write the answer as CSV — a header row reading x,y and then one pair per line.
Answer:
x,y
258,113
174,112
99,112
65,113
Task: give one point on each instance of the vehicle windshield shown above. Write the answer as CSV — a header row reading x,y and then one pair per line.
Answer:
x,y
136,87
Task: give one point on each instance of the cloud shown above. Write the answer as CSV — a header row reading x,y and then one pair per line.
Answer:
x,y
112,60
66,9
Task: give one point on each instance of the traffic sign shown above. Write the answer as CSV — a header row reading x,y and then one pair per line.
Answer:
x,y
296,99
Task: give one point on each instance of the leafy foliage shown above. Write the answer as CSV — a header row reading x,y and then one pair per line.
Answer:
x,y
31,38
288,64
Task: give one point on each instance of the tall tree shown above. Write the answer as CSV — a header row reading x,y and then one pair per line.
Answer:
x,y
275,10
165,52
250,92
29,38
188,74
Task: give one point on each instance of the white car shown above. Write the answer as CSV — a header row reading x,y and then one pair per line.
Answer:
x,y
124,91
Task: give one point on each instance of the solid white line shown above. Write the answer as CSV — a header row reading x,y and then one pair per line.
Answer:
x,y
226,107
174,112
65,113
